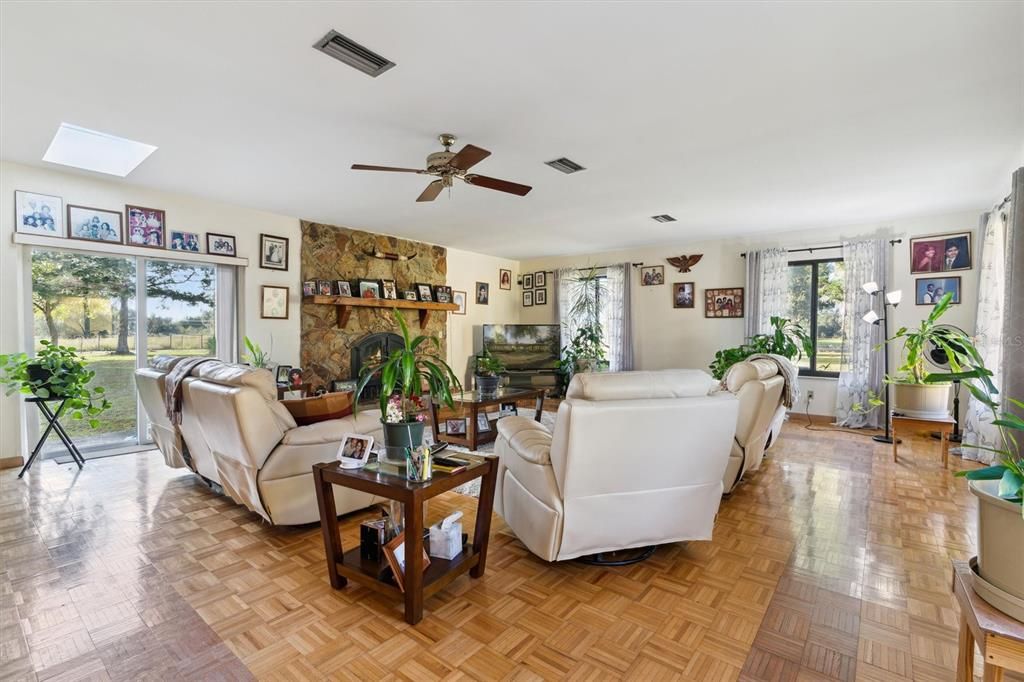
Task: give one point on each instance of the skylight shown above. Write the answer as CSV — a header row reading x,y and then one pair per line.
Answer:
x,y
95,151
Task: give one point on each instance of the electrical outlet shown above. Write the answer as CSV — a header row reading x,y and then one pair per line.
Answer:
x,y
810,396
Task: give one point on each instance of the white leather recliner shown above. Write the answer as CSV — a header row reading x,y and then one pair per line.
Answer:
x,y
239,436
636,459
759,387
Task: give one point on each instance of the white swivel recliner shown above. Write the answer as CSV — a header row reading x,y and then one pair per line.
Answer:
x,y
759,387
636,459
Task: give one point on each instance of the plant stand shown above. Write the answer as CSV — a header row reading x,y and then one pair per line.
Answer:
x,y
52,424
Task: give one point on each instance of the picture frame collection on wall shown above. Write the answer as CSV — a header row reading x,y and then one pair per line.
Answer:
x,y
140,226
535,290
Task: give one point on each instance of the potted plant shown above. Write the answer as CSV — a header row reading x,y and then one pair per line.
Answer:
x,y
488,371
56,372
402,377
787,339
257,357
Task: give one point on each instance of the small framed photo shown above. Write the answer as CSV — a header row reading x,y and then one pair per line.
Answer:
x,y
409,295
220,244
38,214
504,279
483,424
508,410
295,377
324,287
388,289
369,288
342,288
343,386
274,302
652,275
354,450
273,252
527,299
146,226
282,374
96,225
540,297
723,302
394,552
455,427
540,279
940,253
682,295
483,293
930,290
459,299
309,288
424,292
528,281
184,241
443,294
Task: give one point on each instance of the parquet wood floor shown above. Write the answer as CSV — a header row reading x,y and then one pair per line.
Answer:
x,y
831,563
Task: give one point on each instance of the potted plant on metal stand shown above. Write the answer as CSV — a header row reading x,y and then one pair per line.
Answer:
x,y
403,376
487,372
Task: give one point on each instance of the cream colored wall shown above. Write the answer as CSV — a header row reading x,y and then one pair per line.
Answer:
x,y
667,337
465,269
183,212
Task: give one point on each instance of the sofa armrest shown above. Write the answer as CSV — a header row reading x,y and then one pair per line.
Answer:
x,y
529,439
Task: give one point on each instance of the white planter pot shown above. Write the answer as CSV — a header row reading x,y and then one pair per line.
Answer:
x,y
1000,550
921,401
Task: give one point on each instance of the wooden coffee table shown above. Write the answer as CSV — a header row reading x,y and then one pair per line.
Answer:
x,y
389,482
476,404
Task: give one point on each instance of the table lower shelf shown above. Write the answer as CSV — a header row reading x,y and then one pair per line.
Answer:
x,y
376,576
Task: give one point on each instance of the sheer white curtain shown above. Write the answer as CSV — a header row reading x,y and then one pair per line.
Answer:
x,y
978,429
863,364
767,289
617,317
567,281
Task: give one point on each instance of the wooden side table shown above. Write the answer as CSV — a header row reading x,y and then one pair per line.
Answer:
x,y
419,584
943,426
1000,638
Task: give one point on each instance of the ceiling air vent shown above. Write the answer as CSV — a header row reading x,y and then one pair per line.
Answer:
x,y
663,218
565,165
352,53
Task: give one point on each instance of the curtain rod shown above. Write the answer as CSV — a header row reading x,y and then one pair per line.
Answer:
x,y
892,242
591,267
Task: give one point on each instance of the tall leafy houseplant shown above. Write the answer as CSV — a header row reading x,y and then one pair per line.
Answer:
x,y
787,339
585,351
403,375
56,372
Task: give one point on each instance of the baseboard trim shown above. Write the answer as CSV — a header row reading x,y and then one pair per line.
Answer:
x,y
11,462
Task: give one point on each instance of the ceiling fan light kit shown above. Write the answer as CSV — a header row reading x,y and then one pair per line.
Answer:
x,y
446,166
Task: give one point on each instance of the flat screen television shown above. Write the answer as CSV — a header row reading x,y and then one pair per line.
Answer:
x,y
524,346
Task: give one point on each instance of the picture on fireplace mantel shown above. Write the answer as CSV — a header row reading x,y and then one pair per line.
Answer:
x,y
342,288
309,287
323,287
388,289
443,294
409,295
424,292
369,288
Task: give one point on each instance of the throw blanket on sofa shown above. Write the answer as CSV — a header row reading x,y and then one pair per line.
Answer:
x,y
789,372
173,383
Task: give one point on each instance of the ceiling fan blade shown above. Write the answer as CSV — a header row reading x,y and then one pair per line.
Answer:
x,y
468,157
360,166
431,192
500,185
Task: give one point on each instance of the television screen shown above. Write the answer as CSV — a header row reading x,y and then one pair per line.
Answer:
x,y
524,346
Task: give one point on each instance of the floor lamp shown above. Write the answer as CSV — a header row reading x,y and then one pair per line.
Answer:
x,y
890,299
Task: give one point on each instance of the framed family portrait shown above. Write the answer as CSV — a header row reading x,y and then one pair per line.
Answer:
x,y
38,214
443,293
424,292
273,252
459,299
220,244
483,293
723,302
309,288
145,226
184,241
274,302
504,279
652,275
369,288
95,224
940,253
930,290
682,295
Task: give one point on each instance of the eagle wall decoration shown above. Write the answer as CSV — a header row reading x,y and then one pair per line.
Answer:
x,y
684,263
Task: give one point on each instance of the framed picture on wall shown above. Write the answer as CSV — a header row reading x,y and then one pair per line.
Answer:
x,y
940,253
273,252
528,281
483,293
683,295
459,299
540,279
527,299
220,244
723,302
96,224
184,241
38,214
146,226
505,279
652,275
930,290
274,302
540,297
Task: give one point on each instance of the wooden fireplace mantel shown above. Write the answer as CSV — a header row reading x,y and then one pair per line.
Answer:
x,y
345,304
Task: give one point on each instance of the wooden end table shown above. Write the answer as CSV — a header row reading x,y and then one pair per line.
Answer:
x,y
1000,638
343,566
943,426
477,404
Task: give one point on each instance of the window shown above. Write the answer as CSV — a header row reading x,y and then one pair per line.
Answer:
x,y
816,294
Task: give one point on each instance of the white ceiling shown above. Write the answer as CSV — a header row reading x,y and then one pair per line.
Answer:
x,y
737,118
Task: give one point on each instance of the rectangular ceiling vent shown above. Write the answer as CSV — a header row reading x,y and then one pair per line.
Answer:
x,y
352,53
663,218
565,165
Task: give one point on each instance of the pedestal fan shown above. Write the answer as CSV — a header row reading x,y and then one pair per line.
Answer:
x,y
939,359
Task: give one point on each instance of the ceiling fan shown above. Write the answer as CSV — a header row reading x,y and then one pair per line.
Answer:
x,y
447,166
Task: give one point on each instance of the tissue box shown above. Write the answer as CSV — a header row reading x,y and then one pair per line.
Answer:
x,y
446,543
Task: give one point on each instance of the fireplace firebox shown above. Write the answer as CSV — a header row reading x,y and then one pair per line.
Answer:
x,y
370,350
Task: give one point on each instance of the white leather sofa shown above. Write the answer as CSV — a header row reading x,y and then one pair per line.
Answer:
x,y
239,436
636,459
759,387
